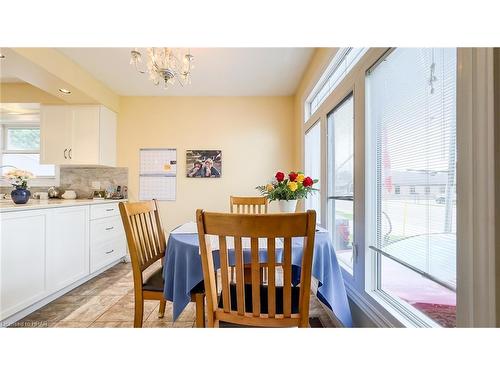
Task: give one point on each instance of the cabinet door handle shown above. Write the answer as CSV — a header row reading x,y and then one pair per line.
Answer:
x,y
69,153
109,228
110,209
65,150
109,252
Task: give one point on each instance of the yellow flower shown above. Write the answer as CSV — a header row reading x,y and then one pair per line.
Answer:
x,y
300,178
269,187
292,186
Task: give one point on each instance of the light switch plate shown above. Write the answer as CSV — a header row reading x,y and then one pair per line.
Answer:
x,y
96,185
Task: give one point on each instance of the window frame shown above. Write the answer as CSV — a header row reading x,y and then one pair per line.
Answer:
x,y
413,316
330,150
474,173
319,220
38,181
323,82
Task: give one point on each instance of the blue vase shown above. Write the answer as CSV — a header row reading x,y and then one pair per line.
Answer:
x,y
20,195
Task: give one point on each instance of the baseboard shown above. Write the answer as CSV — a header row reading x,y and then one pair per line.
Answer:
x,y
46,300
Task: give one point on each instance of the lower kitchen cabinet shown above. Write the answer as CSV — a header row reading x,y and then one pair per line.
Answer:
x,y
22,260
67,256
46,252
108,241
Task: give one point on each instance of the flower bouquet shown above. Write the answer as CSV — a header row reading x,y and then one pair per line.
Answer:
x,y
19,179
288,190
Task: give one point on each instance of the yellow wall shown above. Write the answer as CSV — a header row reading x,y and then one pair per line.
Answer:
x,y
25,93
254,133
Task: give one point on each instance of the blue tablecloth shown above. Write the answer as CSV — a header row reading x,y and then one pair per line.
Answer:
x,y
182,272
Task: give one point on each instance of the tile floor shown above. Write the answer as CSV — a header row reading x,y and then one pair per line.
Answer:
x,y
108,301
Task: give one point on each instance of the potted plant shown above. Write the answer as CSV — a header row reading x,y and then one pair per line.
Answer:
x,y
19,179
288,190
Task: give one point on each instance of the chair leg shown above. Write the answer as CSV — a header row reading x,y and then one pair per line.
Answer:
x,y
161,312
200,310
139,311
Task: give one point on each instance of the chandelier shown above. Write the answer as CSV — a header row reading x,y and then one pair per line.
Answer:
x,y
164,65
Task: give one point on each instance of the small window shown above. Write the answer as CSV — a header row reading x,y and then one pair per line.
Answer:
x,y
442,189
427,190
343,62
312,164
21,149
413,190
397,189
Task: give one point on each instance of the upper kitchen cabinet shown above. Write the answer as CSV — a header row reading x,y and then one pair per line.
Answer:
x,y
77,135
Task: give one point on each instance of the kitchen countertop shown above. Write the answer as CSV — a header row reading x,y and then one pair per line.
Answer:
x,y
7,205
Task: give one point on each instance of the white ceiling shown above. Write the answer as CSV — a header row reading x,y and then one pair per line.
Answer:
x,y
217,72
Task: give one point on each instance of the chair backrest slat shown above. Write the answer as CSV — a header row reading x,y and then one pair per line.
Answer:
x,y
287,277
271,278
240,276
240,228
255,267
248,205
223,253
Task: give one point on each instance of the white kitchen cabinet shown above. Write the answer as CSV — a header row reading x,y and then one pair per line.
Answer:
x,y
67,258
77,135
55,134
22,260
47,251
107,236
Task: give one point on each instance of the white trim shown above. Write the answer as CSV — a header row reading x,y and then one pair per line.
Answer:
x,y
476,189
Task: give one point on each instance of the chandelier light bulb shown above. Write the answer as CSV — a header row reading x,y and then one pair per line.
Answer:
x,y
164,64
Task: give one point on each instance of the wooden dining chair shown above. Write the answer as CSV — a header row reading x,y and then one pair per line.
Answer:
x,y
248,205
256,303
146,243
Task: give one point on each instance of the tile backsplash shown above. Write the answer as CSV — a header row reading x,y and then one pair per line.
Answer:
x,y
80,180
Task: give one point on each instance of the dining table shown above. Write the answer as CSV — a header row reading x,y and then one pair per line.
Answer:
x,y
182,270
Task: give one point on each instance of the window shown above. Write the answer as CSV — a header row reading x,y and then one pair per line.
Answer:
x,y
21,149
341,180
397,189
427,189
312,165
411,135
343,62
442,189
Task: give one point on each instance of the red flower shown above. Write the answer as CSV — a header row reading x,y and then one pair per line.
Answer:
x,y
292,176
280,176
308,181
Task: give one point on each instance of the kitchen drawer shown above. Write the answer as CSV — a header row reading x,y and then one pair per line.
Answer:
x,y
98,211
107,252
106,229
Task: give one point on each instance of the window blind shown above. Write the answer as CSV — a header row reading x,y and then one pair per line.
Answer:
x,y
342,63
411,110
